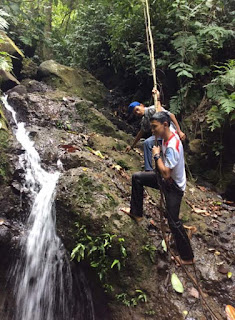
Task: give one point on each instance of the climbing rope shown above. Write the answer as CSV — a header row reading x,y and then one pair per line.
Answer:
x,y
150,46
194,280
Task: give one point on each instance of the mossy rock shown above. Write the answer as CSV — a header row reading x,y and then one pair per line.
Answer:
x,y
195,146
4,140
29,68
96,121
75,81
185,212
94,204
115,149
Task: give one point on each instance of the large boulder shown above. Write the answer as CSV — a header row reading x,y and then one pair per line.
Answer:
x,y
76,81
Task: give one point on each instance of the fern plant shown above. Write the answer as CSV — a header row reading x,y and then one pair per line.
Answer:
x,y
3,21
221,92
199,39
5,59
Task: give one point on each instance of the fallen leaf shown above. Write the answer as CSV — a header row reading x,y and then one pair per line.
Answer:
x,y
164,245
192,190
68,147
190,230
217,203
230,312
228,202
84,169
176,283
117,167
185,312
153,223
200,211
194,293
99,154
229,275
223,269
202,188
125,175
217,253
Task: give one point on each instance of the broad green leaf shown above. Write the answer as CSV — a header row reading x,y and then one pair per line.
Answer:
x,y
185,73
176,283
116,262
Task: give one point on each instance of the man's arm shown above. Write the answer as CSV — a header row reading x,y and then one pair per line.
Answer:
x,y
155,92
180,133
165,171
137,138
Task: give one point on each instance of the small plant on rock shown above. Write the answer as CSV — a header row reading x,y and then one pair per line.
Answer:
x,y
96,249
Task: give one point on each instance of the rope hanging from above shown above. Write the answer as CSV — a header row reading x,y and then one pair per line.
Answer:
x,y
150,46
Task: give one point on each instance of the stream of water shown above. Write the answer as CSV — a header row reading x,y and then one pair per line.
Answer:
x,y
43,286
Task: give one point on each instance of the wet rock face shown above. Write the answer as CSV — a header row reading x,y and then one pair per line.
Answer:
x,y
92,188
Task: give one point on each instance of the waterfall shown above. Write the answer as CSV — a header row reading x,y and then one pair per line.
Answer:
x,y
43,286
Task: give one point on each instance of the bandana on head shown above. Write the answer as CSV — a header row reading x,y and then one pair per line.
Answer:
x,y
132,106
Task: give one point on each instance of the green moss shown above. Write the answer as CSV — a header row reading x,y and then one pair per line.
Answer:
x,y
75,81
185,212
120,145
29,69
96,121
85,189
110,203
123,164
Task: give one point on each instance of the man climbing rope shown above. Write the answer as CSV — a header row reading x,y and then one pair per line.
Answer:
x,y
146,113
171,181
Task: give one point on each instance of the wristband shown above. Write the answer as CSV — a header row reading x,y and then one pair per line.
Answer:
x,y
156,156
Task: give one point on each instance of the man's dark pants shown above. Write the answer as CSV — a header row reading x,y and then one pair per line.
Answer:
x,y
173,196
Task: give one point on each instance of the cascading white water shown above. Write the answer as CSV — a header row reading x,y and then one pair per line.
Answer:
x,y
43,274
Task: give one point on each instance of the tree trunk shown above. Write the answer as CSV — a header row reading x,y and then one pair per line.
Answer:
x,y
47,52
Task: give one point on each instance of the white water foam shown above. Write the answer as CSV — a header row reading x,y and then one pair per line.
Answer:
x,y
42,269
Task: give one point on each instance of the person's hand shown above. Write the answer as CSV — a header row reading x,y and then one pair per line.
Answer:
x,y
182,135
156,150
155,91
128,148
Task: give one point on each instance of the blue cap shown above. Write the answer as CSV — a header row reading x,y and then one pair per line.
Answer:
x,y
132,106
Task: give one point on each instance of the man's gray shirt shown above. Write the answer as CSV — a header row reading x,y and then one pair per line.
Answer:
x,y
148,113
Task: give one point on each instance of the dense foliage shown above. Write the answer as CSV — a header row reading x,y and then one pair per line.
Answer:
x,y
5,60
194,45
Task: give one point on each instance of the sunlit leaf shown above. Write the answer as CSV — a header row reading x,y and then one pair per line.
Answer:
x,y
164,245
176,283
230,312
116,262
